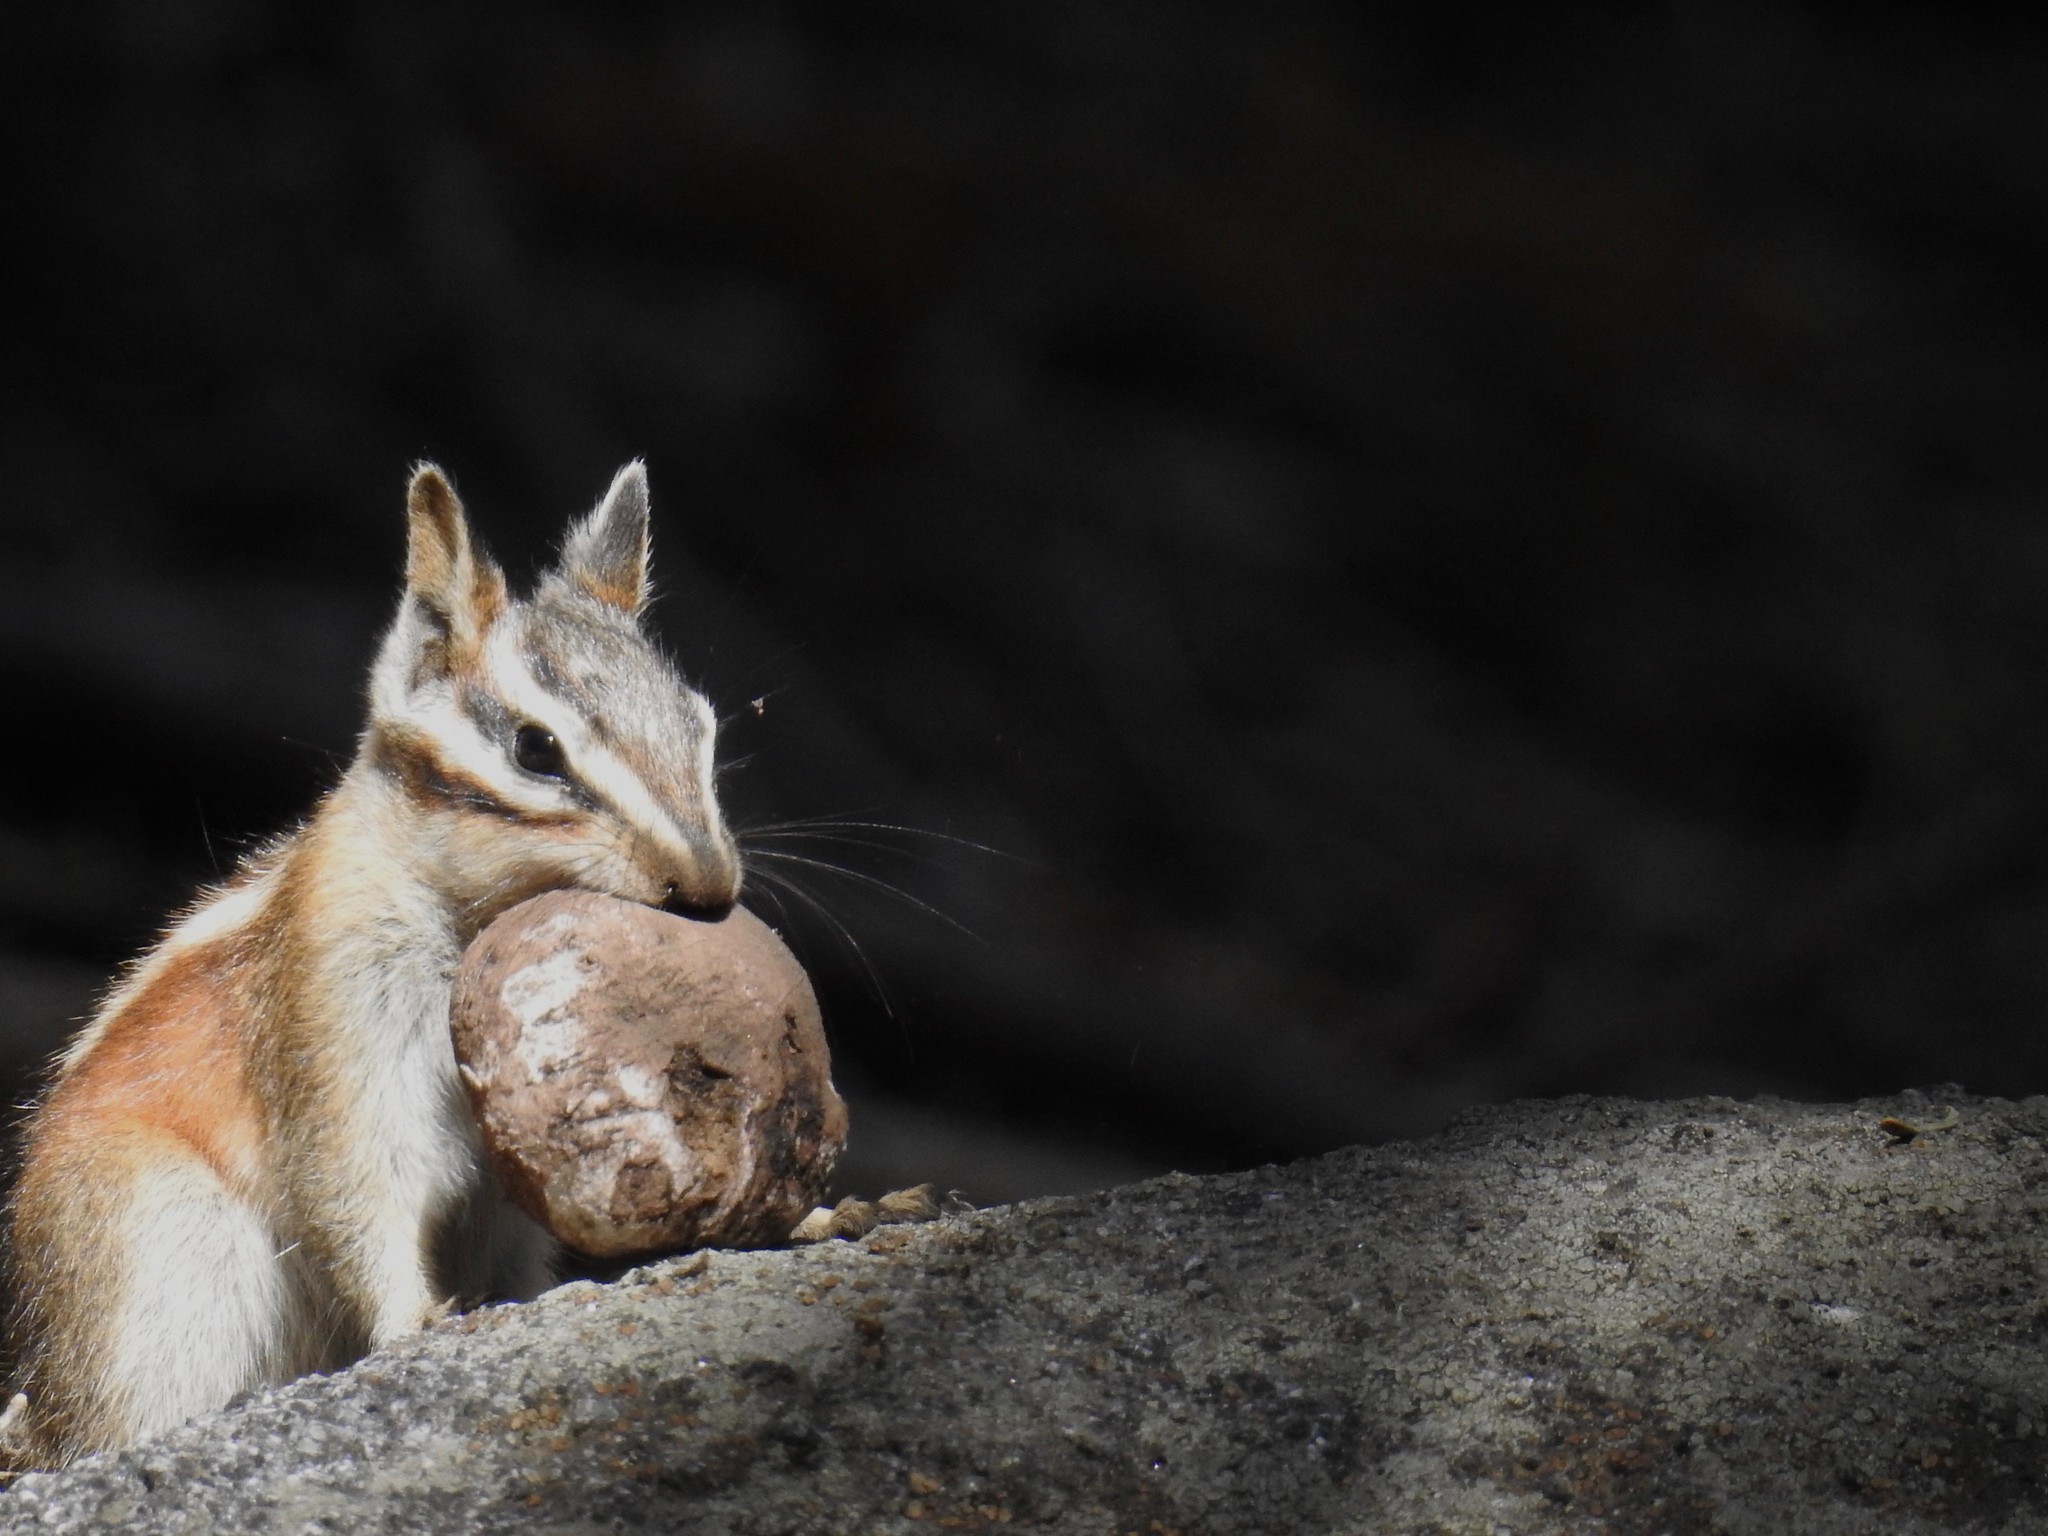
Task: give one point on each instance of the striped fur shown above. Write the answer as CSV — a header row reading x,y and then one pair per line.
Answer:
x,y
256,1160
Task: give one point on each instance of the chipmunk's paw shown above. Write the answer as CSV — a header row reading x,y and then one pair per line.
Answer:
x,y
852,1218
447,1307
16,1454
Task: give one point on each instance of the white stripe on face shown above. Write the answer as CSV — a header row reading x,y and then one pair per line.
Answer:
x,y
434,713
465,749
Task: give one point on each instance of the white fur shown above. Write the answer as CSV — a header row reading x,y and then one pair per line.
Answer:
x,y
227,911
412,1145
707,772
205,1313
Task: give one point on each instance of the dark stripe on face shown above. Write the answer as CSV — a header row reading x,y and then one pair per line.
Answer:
x,y
426,779
549,674
492,720
550,677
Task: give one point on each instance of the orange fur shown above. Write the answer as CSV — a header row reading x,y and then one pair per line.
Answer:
x,y
175,1060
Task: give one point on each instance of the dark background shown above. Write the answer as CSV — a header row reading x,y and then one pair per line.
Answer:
x,y
1448,562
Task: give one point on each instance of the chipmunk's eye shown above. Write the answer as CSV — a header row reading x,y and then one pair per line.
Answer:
x,y
536,750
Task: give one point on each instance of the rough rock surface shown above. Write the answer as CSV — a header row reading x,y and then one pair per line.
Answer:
x,y
647,1082
1576,1316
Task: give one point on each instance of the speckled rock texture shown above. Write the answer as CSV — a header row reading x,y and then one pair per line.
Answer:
x,y
1559,1317
645,1082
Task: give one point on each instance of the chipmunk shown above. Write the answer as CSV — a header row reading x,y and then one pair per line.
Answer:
x,y
256,1161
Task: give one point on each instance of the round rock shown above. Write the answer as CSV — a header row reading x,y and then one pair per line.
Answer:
x,y
646,1082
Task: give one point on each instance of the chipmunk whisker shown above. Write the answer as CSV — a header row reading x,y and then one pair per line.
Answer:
x,y
873,882
818,824
776,881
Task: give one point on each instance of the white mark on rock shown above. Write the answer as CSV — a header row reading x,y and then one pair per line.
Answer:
x,y
537,995
639,1087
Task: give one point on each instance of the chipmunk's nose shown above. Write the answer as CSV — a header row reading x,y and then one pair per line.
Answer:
x,y
709,884
682,904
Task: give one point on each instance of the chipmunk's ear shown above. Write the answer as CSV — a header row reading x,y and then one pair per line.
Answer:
x,y
606,553
455,584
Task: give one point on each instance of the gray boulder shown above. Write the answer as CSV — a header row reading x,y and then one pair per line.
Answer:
x,y
1578,1316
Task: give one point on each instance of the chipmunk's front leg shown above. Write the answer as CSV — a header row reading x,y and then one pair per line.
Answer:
x,y
381,1232
404,1300
423,1268
438,1236
379,1265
